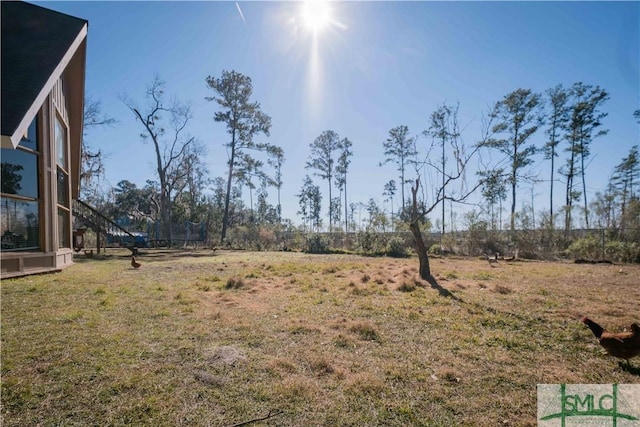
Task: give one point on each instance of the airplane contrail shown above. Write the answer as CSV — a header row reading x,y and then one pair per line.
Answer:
x,y
240,12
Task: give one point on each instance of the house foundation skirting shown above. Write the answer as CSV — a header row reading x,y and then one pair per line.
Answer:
x,y
14,264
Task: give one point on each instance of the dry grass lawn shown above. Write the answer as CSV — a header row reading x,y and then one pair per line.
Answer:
x,y
215,339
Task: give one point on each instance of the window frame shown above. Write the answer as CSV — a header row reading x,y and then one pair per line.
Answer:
x,y
66,240
37,152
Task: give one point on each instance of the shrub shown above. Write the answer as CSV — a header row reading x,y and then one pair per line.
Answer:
x,y
434,249
317,244
397,248
622,251
235,283
370,244
586,247
380,244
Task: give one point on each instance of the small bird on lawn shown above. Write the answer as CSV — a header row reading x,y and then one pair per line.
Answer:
x,y
623,345
493,260
135,264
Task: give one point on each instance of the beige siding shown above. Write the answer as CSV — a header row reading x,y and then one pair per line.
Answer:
x,y
51,258
60,100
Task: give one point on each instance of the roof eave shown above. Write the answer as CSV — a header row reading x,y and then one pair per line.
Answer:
x,y
6,142
12,141
76,81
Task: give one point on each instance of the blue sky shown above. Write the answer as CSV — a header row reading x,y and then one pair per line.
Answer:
x,y
379,65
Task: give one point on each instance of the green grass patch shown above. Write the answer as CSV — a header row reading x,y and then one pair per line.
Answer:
x,y
183,341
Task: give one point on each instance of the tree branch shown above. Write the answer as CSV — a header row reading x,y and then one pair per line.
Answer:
x,y
269,415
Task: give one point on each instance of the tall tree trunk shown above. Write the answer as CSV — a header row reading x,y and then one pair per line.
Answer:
x,y
346,212
279,206
165,209
251,214
165,203
584,187
567,212
330,208
569,197
443,191
513,201
553,152
227,198
402,188
514,177
421,250
414,226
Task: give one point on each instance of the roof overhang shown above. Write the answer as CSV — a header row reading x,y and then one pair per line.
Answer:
x,y
76,84
75,59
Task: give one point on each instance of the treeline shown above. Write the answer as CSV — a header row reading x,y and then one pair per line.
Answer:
x,y
247,199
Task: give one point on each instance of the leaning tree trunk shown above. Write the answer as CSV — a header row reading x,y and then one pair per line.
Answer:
x,y
414,226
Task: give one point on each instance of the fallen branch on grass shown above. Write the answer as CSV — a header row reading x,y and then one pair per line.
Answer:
x,y
269,415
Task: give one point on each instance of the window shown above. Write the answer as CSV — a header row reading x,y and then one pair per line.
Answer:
x,y
20,194
64,239
61,143
20,224
62,174
20,172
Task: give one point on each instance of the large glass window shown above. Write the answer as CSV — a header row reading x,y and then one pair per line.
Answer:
x,y
20,224
19,173
62,175
19,198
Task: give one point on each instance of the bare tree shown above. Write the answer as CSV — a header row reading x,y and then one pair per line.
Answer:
x,y
165,125
420,209
189,179
92,165
443,128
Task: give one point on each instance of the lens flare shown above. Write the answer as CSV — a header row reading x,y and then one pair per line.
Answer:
x,y
316,15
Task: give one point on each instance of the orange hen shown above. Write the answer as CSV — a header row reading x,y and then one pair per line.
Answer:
x,y
624,345
134,263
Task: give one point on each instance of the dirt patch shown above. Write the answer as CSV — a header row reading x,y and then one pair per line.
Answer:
x,y
210,379
224,355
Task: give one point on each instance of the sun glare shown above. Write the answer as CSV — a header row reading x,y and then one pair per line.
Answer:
x,y
316,14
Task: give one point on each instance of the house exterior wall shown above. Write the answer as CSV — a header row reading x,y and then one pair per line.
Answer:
x,y
54,252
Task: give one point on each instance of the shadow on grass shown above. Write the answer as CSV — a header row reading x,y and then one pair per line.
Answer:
x,y
81,259
629,368
159,255
443,292
150,255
